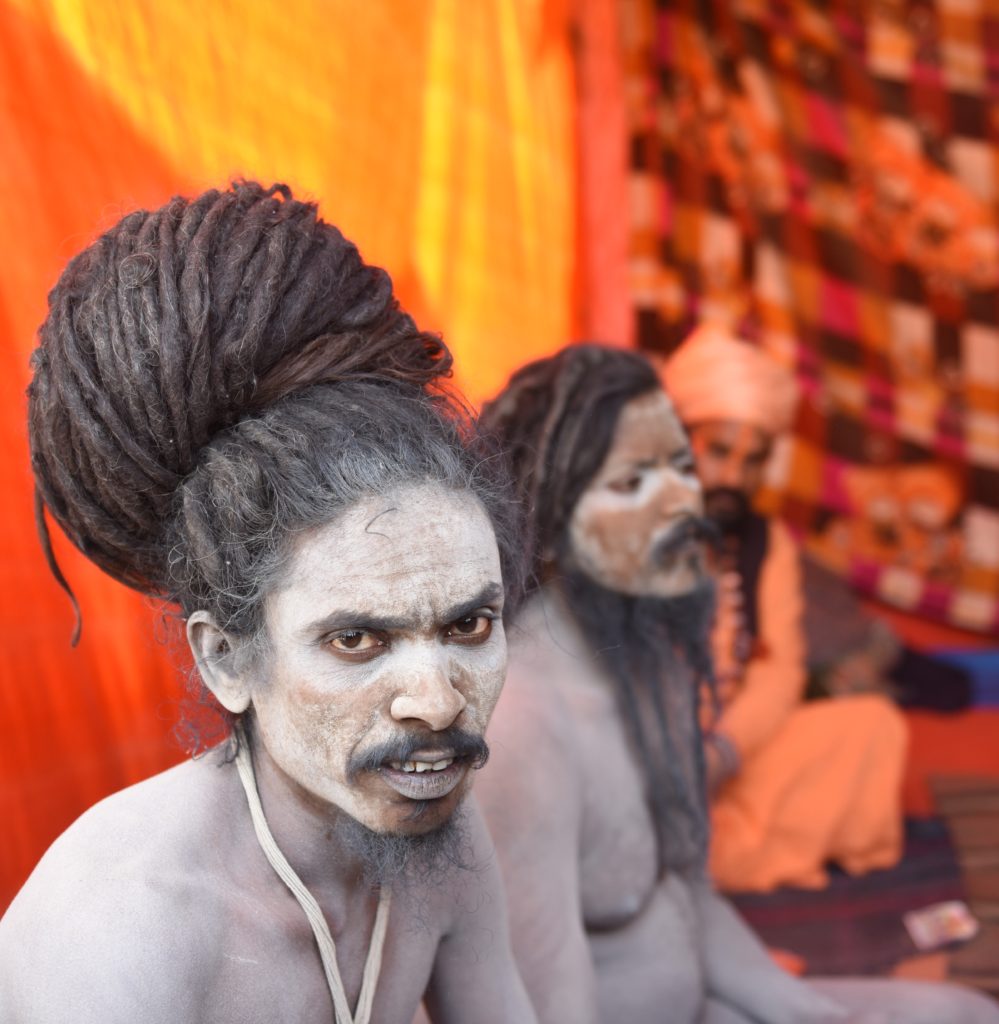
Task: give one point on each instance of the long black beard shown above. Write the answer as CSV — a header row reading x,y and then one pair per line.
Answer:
x,y
657,652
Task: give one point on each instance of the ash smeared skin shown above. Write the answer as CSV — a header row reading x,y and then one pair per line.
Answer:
x,y
334,686
602,933
644,490
179,891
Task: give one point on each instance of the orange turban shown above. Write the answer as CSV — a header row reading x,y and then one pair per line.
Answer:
x,y
715,376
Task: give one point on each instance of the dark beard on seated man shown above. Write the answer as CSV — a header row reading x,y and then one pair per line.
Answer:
x,y
657,652
421,858
409,864
728,508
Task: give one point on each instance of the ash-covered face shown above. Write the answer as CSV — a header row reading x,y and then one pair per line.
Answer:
x,y
386,658
637,528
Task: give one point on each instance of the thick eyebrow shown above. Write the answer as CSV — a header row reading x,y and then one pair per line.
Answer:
x,y
489,594
629,466
349,618
636,464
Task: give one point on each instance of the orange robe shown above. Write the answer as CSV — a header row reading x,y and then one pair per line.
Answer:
x,y
817,782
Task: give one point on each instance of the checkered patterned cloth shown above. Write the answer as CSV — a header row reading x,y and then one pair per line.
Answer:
x,y
825,179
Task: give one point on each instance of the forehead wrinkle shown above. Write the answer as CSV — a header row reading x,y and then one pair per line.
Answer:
x,y
430,568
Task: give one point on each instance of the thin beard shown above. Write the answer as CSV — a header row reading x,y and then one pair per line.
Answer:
x,y
413,863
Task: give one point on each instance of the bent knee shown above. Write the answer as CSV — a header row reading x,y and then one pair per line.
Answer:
x,y
888,721
911,1002
956,1005
875,716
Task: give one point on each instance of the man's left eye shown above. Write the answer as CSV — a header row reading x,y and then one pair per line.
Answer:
x,y
471,627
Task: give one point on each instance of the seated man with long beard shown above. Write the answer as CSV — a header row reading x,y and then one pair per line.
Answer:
x,y
230,411
595,794
795,784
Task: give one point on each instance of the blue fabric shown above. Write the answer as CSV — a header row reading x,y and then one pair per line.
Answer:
x,y
982,666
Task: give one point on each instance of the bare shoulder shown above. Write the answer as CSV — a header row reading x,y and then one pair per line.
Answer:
x,y
532,784
531,738
472,890
474,975
547,660
101,929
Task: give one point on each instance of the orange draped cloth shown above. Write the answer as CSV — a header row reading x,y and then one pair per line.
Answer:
x,y
439,136
818,782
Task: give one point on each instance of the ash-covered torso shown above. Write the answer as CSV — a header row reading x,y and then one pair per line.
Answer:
x,y
167,893
385,656
641,927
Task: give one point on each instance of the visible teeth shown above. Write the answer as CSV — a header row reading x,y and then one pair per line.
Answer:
x,y
422,766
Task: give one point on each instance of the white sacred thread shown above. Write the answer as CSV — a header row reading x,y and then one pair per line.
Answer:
x,y
320,929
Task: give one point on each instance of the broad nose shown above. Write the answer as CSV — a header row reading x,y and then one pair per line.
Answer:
x,y
731,472
428,695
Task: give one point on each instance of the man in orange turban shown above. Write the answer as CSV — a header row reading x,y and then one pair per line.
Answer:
x,y
795,785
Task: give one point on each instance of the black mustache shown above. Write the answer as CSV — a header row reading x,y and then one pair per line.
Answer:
x,y
690,528
453,742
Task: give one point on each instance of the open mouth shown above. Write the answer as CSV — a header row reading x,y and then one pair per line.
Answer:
x,y
422,766
425,778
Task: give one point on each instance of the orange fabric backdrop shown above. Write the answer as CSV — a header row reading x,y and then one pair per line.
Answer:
x,y
438,135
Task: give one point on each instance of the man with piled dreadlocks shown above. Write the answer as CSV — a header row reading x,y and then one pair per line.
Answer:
x,y
231,412
595,793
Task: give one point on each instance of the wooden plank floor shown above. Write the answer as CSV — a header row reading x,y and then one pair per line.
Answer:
x,y
970,806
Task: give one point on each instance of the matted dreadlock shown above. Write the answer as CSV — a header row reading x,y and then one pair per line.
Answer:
x,y
556,420
222,373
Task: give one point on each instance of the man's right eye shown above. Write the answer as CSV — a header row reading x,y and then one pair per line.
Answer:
x,y
355,641
627,485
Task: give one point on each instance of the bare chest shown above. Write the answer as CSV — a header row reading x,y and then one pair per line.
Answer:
x,y
264,965
618,867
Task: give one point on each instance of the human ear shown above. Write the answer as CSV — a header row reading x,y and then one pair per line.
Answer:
x,y
214,654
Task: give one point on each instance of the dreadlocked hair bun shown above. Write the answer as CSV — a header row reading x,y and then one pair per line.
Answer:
x,y
171,330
